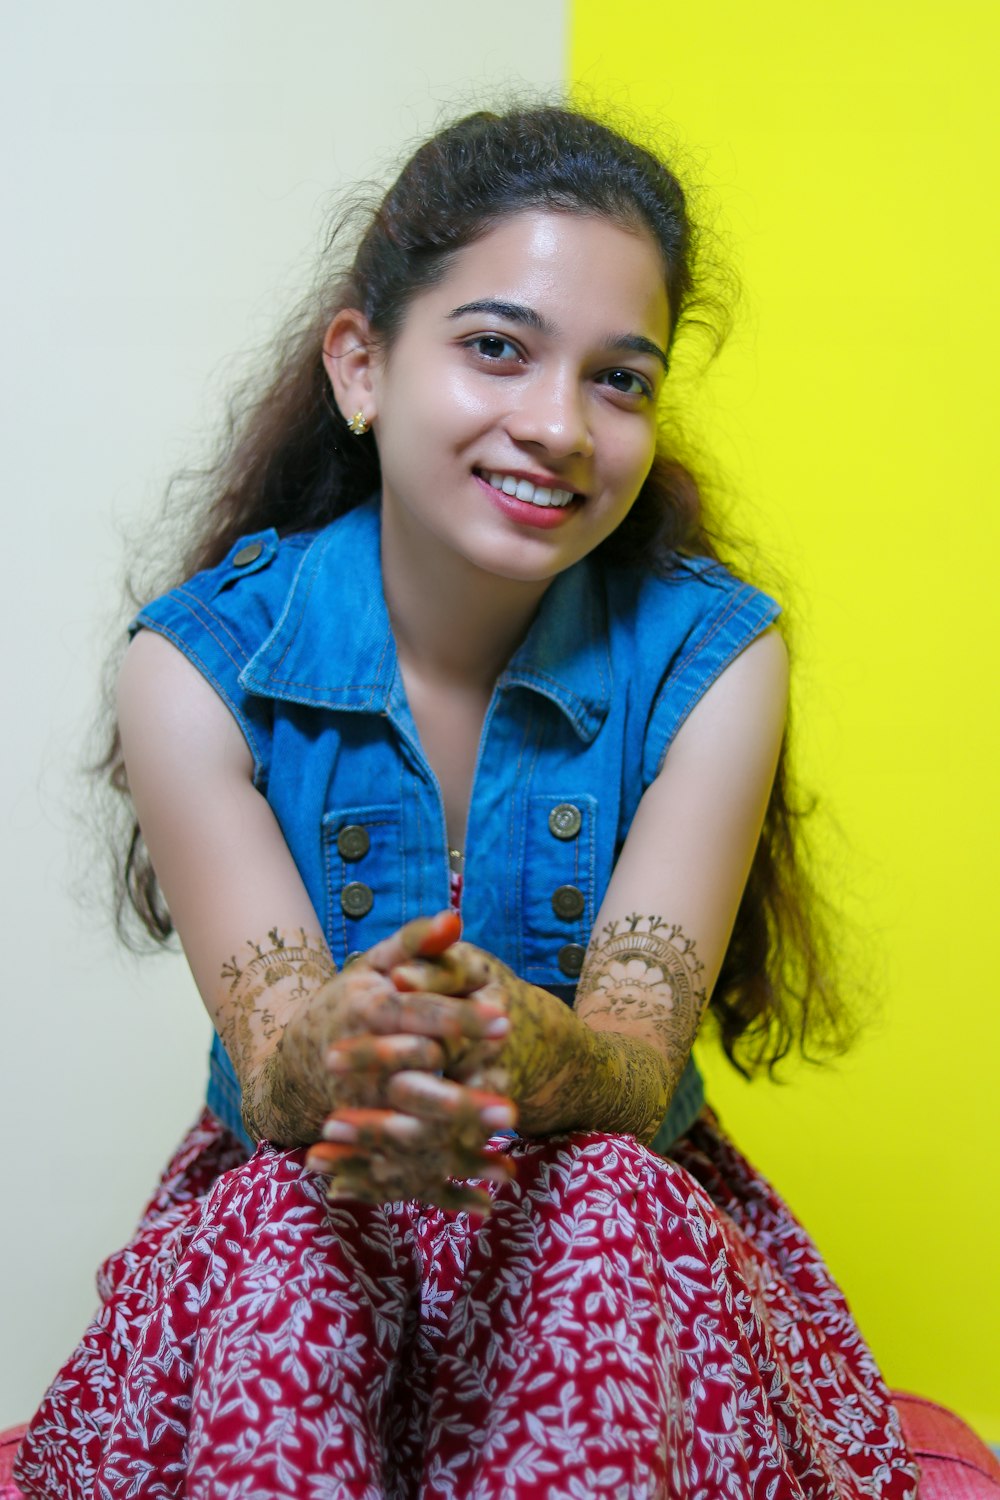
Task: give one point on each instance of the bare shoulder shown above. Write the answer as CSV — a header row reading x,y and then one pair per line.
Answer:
x,y
166,706
763,664
219,854
757,677
692,840
746,706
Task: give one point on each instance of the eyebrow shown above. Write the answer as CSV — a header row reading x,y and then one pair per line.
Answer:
x,y
517,312
513,312
638,345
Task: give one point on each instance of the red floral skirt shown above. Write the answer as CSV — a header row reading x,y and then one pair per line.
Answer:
x,y
621,1325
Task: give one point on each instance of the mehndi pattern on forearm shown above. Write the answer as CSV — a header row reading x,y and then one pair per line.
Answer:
x,y
643,971
272,1105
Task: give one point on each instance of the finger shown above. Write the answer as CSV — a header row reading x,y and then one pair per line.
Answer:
x,y
444,976
386,1184
459,971
425,936
478,964
435,1098
467,1117
385,1180
444,929
382,1055
368,1128
466,1061
378,1180
333,1157
414,1147
371,1003
360,993
357,1175
408,1152
442,1016
491,1079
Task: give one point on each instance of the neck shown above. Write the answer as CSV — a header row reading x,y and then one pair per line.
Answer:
x,y
453,622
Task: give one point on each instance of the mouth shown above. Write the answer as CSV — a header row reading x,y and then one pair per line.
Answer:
x,y
517,487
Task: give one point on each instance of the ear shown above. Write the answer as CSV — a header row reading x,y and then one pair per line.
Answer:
x,y
350,360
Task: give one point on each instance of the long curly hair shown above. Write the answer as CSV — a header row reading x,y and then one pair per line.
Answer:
x,y
286,461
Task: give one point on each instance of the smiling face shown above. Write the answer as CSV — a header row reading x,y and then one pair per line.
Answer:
x,y
515,411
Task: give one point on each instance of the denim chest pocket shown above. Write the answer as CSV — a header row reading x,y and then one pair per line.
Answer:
x,y
558,885
363,877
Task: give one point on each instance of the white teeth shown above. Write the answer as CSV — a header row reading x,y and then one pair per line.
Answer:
x,y
523,489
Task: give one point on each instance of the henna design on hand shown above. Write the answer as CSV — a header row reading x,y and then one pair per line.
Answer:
x,y
561,1074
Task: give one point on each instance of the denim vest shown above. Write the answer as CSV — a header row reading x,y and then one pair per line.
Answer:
x,y
294,636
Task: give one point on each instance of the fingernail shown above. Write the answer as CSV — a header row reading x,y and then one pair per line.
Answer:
x,y
337,1061
498,1027
498,1116
339,1130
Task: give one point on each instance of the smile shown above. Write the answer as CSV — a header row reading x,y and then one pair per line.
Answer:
x,y
532,494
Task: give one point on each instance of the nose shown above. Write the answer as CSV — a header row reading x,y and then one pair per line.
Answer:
x,y
552,414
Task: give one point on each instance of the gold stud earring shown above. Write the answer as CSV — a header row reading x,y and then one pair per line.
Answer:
x,y
358,424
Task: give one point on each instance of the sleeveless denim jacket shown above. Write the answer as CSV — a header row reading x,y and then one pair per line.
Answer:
x,y
294,636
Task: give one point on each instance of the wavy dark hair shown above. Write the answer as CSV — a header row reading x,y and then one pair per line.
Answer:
x,y
287,461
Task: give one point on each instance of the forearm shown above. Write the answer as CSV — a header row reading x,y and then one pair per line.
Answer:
x,y
271,1032
614,1062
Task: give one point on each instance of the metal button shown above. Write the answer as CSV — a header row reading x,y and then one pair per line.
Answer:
x,y
565,821
568,902
570,960
353,842
356,899
248,554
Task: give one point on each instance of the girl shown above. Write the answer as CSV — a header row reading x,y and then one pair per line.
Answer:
x,y
456,1220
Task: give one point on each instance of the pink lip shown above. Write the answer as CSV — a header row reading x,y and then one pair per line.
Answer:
x,y
543,517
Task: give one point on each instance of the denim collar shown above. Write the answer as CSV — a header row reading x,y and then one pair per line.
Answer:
x,y
333,645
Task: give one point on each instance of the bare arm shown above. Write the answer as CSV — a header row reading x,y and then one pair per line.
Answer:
x,y
662,931
247,925
252,938
663,928
666,919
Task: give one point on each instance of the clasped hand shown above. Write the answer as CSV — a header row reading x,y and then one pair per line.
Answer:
x,y
418,1025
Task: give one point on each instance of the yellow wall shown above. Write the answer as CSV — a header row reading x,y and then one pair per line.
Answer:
x,y
852,150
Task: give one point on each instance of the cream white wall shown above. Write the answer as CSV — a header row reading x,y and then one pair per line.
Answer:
x,y
166,172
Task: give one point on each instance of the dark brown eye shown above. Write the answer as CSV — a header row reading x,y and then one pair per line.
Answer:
x,y
494,346
628,383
